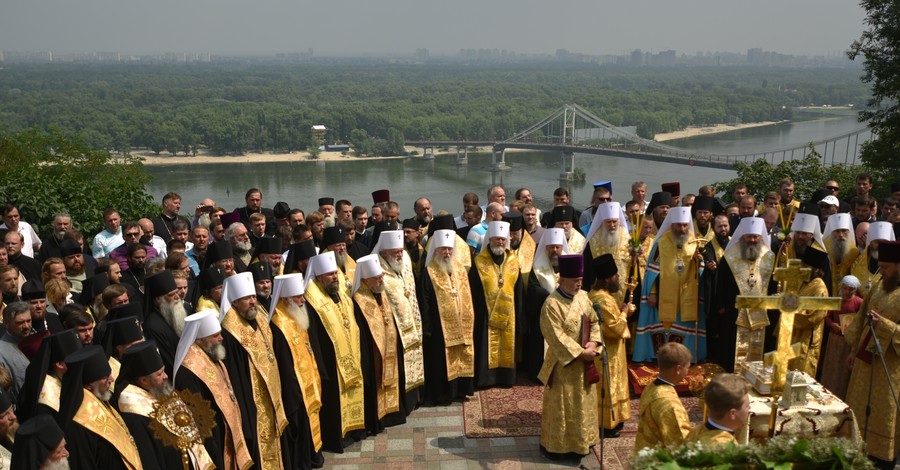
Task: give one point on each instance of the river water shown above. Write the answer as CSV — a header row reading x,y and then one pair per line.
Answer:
x,y
444,182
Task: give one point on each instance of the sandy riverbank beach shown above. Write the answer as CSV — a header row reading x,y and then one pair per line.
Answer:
x,y
204,157
706,130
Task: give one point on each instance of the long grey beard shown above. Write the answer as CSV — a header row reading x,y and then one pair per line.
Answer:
x,y
204,220
329,221
554,261
104,397
164,389
61,464
750,252
394,264
242,247
608,239
299,314
340,259
446,265
216,352
498,250
680,240
174,314
839,248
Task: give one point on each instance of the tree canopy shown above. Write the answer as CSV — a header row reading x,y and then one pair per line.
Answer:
x,y
46,173
879,46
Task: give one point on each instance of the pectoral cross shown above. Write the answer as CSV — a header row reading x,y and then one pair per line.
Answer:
x,y
789,303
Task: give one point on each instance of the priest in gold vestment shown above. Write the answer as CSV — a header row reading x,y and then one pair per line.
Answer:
x,y
569,425
497,295
96,435
400,286
253,369
379,338
447,322
301,387
663,420
809,325
745,269
670,295
866,266
883,304
333,327
841,246
608,235
615,399
199,369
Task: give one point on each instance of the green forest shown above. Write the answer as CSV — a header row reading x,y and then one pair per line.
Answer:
x,y
234,108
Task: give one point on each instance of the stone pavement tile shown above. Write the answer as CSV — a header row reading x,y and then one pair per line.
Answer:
x,y
400,444
502,441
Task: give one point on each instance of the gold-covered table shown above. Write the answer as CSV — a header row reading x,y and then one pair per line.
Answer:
x,y
825,415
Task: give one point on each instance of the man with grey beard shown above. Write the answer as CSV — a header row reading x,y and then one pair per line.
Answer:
x,y
300,387
199,369
447,323
400,285
141,384
84,402
670,291
164,320
542,281
841,248
608,234
745,269
241,248
253,368
383,376
333,327
497,299
40,444
866,267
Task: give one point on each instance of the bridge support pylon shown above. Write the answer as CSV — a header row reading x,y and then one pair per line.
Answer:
x,y
464,158
501,164
567,166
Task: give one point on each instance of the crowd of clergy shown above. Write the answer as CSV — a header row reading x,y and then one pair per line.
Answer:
x,y
277,333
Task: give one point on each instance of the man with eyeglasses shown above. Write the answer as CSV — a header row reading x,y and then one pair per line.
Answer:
x,y
833,188
602,194
131,233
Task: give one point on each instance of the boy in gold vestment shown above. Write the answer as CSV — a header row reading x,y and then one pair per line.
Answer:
x,y
663,419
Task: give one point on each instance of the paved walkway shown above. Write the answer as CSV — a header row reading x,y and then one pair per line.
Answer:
x,y
433,438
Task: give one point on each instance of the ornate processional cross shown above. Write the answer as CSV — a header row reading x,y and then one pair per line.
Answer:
x,y
789,303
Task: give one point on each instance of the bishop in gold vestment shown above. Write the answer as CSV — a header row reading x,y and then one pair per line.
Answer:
x,y
497,294
378,335
571,328
253,369
301,386
865,268
448,323
333,327
883,300
199,369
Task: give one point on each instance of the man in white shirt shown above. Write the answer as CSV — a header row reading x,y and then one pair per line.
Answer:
x,y
12,221
111,237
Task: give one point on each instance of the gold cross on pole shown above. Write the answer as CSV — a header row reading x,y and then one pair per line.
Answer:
x,y
789,303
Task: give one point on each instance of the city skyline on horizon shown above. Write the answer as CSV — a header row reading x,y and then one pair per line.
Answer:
x,y
355,28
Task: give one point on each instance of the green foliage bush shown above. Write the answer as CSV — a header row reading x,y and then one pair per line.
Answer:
x,y
809,174
46,173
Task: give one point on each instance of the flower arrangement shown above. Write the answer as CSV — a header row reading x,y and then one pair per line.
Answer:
x,y
778,453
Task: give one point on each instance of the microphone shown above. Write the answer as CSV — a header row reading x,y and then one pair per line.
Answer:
x,y
599,312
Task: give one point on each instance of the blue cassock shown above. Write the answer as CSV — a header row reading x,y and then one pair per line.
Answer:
x,y
650,332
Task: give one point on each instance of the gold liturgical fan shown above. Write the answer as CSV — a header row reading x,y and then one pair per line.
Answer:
x,y
182,419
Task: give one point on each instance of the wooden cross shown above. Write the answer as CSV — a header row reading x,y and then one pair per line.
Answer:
x,y
789,303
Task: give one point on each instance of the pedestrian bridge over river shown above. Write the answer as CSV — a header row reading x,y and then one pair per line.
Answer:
x,y
572,129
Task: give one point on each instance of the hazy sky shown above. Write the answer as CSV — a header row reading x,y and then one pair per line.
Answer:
x,y
357,27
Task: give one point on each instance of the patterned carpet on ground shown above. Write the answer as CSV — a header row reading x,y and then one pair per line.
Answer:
x,y
516,412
